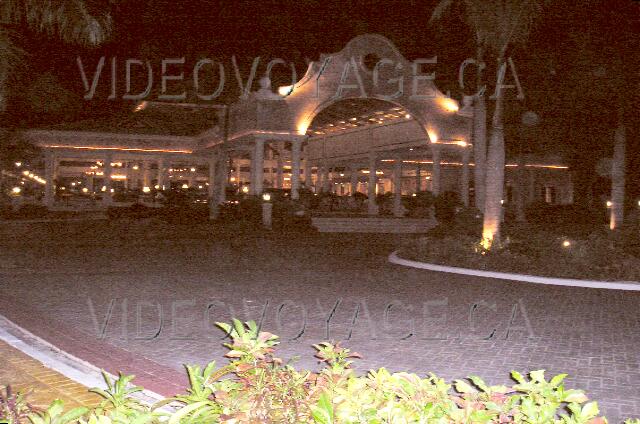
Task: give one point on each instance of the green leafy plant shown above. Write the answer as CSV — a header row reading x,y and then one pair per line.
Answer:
x,y
55,414
256,387
13,406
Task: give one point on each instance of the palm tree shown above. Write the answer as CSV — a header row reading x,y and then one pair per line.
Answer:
x,y
71,20
474,12
618,174
511,21
498,25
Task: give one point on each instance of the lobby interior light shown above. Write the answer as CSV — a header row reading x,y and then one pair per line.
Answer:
x,y
85,190
245,189
16,190
266,197
185,186
146,189
609,203
18,164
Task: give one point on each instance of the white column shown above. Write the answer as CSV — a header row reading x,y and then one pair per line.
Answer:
x,y
435,175
354,179
106,194
212,178
319,182
307,169
49,170
279,170
238,172
161,177
146,174
257,167
327,183
397,187
372,206
296,145
211,189
223,173
127,175
464,180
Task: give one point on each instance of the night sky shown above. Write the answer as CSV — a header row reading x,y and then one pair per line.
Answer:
x,y
580,58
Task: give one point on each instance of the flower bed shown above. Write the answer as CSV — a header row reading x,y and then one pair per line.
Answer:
x,y
601,256
255,387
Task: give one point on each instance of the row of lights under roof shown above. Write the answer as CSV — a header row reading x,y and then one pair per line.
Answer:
x,y
378,117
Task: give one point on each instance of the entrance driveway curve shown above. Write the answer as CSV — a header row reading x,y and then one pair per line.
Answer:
x,y
118,296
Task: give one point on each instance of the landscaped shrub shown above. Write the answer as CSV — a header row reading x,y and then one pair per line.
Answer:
x,y
603,255
572,220
13,407
256,387
291,215
420,205
136,211
446,206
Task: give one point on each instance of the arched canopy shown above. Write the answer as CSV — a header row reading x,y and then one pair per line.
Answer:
x,y
369,67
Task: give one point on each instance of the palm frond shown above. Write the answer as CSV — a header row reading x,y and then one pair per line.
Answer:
x,y
71,20
441,9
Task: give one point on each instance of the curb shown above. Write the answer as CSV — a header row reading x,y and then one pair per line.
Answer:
x,y
58,360
611,285
48,220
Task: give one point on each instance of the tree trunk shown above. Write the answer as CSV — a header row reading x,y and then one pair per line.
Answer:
x,y
520,189
617,177
479,138
479,151
495,169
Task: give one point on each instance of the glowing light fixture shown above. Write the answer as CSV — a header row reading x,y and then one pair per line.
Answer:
x,y
449,104
193,169
157,187
609,203
433,137
185,186
245,189
85,190
18,164
16,190
135,167
140,106
566,243
285,90
266,197
146,189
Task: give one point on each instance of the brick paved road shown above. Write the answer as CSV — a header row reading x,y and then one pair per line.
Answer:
x,y
158,298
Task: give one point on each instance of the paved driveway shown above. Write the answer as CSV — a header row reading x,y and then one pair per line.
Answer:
x,y
156,299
